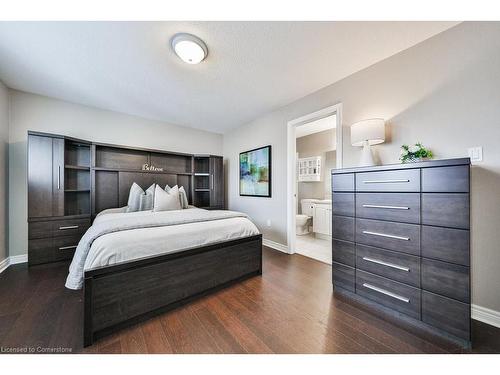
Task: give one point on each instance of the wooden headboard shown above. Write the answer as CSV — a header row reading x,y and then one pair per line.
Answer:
x,y
114,169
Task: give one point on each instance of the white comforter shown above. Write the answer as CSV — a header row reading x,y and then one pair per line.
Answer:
x,y
119,237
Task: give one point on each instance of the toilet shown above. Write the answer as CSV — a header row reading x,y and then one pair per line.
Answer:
x,y
303,221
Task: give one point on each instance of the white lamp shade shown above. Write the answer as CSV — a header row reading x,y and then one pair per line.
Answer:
x,y
372,130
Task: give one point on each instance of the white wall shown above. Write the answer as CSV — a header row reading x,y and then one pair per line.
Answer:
x,y
443,92
39,113
4,158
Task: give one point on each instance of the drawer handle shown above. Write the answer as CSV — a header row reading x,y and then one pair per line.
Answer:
x,y
386,235
68,247
386,292
69,227
392,265
384,181
387,207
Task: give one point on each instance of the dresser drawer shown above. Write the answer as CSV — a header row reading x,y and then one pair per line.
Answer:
x,y
343,182
392,294
343,204
404,207
57,228
390,264
446,314
343,252
343,276
70,227
389,235
398,181
39,229
446,179
46,250
450,245
450,280
343,228
446,210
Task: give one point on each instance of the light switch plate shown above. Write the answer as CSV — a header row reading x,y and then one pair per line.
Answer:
x,y
475,153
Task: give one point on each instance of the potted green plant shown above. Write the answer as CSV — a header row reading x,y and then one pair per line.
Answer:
x,y
415,153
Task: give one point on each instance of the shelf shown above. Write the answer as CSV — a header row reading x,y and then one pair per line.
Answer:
x,y
202,174
201,165
77,167
201,189
53,218
140,171
77,190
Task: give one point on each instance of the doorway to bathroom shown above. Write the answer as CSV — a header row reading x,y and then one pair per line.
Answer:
x,y
315,148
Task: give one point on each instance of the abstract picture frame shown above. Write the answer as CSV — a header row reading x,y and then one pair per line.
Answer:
x,y
255,172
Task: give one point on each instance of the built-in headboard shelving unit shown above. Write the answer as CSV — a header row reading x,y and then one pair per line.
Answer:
x,y
71,180
79,178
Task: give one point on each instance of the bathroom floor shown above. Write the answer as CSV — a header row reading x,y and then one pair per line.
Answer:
x,y
316,248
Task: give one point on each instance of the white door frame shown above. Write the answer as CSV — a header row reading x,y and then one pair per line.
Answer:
x,y
291,162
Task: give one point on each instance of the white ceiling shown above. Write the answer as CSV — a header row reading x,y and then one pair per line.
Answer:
x,y
316,126
252,67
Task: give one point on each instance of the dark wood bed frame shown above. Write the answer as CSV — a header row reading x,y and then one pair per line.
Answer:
x,y
124,294
98,176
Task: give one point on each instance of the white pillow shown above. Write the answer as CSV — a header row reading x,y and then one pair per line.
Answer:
x,y
166,201
182,196
147,199
134,198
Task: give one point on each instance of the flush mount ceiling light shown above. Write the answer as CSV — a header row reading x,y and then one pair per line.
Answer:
x,y
189,48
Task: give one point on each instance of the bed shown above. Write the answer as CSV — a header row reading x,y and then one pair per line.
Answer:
x,y
136,265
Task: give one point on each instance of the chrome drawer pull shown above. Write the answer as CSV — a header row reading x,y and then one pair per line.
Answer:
x,y
384,181
68,247
386,235
386,292
392,265
388,207
69,227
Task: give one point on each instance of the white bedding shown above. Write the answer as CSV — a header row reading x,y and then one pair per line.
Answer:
x,y
129,244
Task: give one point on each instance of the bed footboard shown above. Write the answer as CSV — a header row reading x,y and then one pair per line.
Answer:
x,y
124,294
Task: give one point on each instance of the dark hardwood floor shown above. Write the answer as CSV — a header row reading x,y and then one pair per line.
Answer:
x,y
290,309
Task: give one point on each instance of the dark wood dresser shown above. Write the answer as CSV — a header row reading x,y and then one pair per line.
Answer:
x,y
400,242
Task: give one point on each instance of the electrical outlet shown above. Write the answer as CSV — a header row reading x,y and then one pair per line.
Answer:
x,y
475,153
268,223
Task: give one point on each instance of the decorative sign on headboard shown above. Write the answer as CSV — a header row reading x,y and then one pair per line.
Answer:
x,y
152,168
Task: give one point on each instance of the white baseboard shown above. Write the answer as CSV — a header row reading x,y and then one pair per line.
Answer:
x,y
15,259
4,264
486,315
275,245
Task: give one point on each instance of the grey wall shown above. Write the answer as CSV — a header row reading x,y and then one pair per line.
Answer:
x,y
443,92
39,113
4,139
316,144
329,164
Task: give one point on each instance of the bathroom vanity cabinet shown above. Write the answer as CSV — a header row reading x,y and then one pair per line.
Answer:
x,y
322,219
